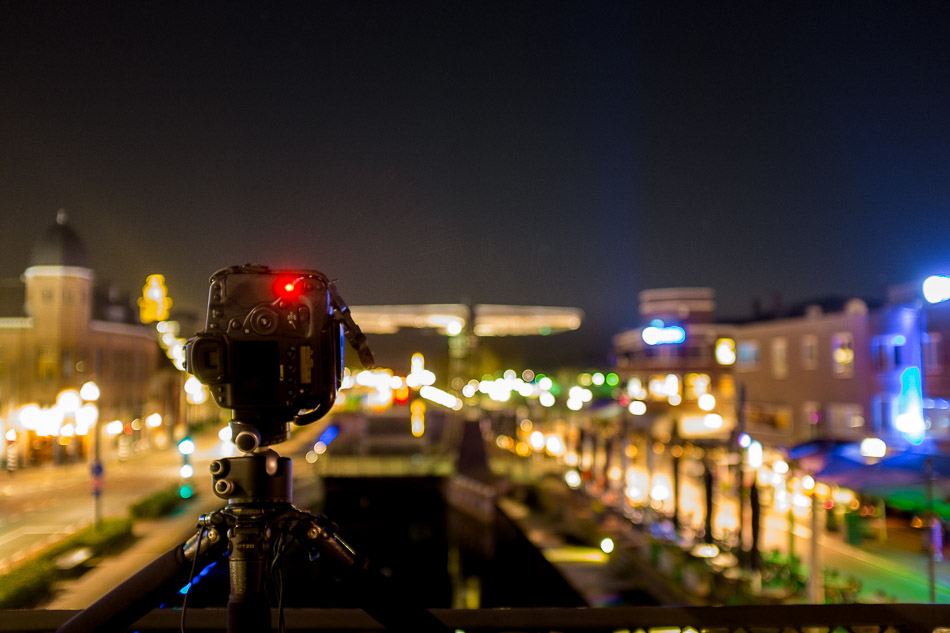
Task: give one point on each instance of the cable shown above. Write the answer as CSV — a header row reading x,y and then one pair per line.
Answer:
x,y
191,578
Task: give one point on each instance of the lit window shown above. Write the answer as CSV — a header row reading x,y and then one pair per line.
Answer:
x,y
842,354
846,419
780,357
748,355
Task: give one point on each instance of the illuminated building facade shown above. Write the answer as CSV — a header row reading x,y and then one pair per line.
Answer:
x,y
58,333
807,374
677,367
838,369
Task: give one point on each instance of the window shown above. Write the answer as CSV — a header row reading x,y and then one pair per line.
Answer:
x,y
932,350
888,352
780,357
748,355
47,361
842,354
696,385
811,414
883,408
845,419
810,352
67,364
773,416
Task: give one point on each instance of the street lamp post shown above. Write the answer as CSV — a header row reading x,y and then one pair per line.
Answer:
x,y
90,393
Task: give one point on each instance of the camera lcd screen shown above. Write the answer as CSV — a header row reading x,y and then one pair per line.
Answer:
x,y
256,380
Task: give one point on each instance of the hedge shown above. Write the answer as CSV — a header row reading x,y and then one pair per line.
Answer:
x,y
160,504
31,582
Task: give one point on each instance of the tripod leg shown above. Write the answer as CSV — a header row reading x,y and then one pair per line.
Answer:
x,y
121,607
248,606
379,596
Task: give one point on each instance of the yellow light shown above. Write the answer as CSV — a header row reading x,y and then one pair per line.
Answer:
x,y
536,439
89,391
726,351
637,407
438,396
10,435
154,304
68,400
554,446
417,425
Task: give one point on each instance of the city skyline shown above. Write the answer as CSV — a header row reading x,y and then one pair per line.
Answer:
x,y
539,154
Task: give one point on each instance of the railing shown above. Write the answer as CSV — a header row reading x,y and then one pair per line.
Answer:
x,y
850,618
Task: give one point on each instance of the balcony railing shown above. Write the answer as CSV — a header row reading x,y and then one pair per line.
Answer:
x,y
850,618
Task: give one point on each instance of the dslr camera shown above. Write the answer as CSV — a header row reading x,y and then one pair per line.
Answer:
x,y
272,349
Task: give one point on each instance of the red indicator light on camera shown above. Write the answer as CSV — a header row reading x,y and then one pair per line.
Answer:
x,y
288,288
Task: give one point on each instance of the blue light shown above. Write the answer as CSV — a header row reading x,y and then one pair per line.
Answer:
x,y
197,579
659,334
910,419
329,434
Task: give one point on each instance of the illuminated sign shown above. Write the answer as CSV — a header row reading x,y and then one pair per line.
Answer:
x,y
659,334
154,303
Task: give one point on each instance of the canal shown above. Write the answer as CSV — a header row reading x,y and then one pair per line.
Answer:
x,y
438,556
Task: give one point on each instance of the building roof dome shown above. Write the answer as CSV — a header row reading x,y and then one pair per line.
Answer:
x,y
58,245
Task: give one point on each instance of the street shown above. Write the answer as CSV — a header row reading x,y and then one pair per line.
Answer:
x,y
37,507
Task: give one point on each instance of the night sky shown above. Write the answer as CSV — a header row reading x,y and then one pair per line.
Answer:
x,y
540,153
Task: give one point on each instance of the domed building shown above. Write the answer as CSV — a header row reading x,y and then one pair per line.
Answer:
x,y
58,333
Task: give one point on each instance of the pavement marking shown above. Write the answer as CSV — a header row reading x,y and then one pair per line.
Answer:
x,y
28,530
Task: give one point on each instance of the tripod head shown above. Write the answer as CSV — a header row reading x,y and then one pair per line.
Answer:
x,y
272,349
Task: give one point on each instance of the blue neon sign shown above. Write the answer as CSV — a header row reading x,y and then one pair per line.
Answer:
x,y
659,334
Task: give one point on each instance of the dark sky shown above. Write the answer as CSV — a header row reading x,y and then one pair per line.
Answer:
x,y
545,153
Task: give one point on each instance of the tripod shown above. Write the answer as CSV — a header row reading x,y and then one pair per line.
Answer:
x,y
250,529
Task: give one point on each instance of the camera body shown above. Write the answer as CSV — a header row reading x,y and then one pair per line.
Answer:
x,y
272,347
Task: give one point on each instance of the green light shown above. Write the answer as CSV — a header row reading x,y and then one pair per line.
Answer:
x,y
186,446
613,379
185,491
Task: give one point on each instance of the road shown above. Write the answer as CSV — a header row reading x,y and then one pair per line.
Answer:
x,y
40,506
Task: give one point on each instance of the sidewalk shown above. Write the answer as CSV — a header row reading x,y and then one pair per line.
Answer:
x,y
154,538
